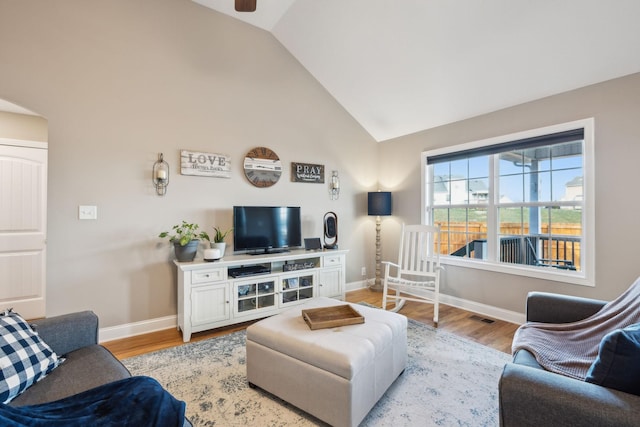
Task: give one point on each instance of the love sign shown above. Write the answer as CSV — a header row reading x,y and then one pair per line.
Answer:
x,y
205,164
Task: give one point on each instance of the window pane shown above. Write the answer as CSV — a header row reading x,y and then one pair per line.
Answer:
x,y
562,231
459,169
478,190
512,221
567,185
511,163
511,189
479,167
441,170
537,187
441,194
458,191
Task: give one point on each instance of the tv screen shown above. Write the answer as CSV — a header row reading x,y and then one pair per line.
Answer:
x,y
266,228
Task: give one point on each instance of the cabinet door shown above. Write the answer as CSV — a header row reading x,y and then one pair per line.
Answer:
x,y
209,303
297,287
330,283
252,296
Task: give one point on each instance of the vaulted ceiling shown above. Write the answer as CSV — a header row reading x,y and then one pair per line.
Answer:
x,y
402,66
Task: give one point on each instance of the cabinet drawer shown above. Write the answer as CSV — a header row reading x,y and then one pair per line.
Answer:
x,y
330,261
211,275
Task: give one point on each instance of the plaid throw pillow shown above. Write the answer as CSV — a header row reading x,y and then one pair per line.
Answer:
x,y
24,357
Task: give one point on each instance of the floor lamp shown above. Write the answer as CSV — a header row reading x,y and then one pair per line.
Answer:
x,y
379,204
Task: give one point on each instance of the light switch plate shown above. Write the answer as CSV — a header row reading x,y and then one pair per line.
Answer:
x,y
87,212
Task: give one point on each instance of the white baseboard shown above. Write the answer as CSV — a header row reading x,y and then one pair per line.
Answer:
x,y
153,325
473,306
137,328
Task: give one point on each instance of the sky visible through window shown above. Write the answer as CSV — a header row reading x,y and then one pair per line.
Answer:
x,y
553,174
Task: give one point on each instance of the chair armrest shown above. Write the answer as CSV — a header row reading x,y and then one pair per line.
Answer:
x,y
555,308
68,332
534,397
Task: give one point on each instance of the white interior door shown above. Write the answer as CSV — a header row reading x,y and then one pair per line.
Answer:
x,y
23,221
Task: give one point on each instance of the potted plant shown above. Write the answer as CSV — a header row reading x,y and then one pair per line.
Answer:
x,y
185,238
218,239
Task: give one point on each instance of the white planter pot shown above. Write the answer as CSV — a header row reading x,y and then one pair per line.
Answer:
x,y
221,246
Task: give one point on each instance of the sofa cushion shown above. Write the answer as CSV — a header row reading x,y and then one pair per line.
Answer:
x,y
24,359
82,370
617,364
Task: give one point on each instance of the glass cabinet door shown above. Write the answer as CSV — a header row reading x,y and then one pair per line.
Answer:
x,y
297,287
254,295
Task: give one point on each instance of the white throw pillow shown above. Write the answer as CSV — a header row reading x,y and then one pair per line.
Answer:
x,y
24,357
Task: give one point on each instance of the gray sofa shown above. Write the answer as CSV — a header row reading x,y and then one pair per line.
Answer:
x,y
87,365
532,396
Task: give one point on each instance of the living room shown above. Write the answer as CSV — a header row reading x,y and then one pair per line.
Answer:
x,y
117,83
117,96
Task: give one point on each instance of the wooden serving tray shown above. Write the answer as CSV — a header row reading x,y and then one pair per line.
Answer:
x,y
330,317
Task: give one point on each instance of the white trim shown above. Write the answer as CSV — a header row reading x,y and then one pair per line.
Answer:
x,y
137,328
478,308
484,309
361,284
162,323
24,143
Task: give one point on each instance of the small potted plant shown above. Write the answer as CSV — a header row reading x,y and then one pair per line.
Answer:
x,y
185,238
218,239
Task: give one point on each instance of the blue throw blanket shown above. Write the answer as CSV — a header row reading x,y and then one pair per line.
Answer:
x,y
136,401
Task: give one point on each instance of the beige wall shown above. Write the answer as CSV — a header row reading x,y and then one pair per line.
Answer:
x,y
120,81
615,105
22,126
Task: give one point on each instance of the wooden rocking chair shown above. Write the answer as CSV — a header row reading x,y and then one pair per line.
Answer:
x,y
417,273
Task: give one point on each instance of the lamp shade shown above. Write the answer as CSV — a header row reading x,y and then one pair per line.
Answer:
x,y
379,203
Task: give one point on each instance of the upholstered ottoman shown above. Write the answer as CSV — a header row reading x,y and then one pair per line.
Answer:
x,y
336,374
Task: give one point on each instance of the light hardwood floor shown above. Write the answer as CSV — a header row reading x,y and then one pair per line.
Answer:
x,y
490,332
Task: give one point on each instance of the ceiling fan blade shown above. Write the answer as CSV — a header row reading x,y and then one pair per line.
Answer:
x,y
245,5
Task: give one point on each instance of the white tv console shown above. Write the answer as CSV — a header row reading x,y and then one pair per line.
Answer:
x,y
213,294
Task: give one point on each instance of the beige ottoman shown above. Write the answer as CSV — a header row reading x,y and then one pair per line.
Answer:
x,y
335,374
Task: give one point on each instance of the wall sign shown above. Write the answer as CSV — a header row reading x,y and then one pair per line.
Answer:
x,y
205,164
306,172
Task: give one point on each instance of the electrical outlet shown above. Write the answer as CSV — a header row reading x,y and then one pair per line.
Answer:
x,y
87,212
364,271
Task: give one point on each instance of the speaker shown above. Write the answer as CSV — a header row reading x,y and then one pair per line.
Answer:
x,y
330,230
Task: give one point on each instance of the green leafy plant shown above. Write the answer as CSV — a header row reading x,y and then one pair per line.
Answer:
x,y
184,233
220,235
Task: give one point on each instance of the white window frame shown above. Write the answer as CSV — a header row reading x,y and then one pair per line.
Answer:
x,y
586,276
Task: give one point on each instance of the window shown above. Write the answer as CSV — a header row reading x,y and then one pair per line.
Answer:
x,y
521,203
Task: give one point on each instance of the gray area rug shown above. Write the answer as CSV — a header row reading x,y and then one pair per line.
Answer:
x,y
449,381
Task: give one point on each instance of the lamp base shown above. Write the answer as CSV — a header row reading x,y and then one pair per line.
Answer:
x,y
376,288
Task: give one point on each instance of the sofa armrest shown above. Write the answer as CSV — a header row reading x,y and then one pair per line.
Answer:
x,y
555,308
68,332
534,397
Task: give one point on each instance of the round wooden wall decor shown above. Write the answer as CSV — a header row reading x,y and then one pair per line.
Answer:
x,y
262,167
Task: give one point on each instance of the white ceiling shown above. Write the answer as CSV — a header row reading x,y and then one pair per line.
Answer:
x,y
13,108
401,66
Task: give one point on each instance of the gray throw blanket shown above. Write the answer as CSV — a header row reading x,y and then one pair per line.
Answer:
x,y
570,348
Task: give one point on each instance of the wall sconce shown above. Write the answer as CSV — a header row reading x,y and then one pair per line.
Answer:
x,y
334,186
160,175
378,204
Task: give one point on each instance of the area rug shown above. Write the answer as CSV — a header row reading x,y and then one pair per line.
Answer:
x,y
449,381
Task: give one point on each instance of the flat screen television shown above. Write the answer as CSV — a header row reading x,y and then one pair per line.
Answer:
x,y
266,229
